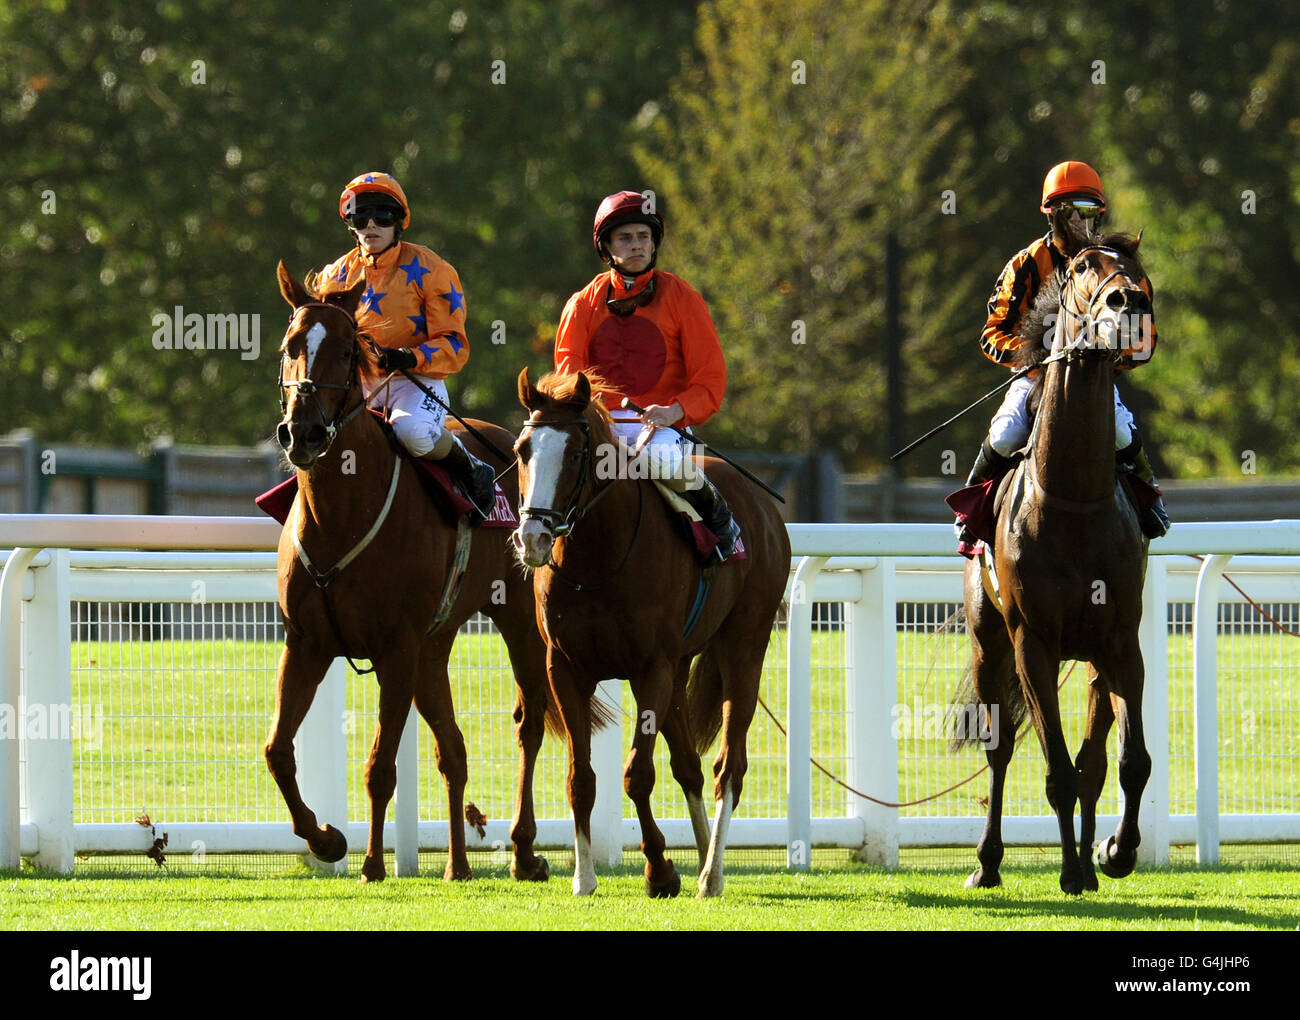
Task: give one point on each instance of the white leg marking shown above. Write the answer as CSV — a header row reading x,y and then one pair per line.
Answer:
x,y
584,868
700,825
711,876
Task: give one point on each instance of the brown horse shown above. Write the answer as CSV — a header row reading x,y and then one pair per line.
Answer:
x,y
1069,559
363,512
620,594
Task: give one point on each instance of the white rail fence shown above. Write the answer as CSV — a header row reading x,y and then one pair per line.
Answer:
x,y
142,681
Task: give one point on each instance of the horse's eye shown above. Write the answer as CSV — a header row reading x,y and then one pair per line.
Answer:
x,y
571,455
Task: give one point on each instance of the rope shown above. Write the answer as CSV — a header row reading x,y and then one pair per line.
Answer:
x,y
1016,740
1255,605
911,803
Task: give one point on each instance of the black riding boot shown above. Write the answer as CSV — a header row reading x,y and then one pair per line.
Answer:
x,y
709,503
1155,519
988,464
476,478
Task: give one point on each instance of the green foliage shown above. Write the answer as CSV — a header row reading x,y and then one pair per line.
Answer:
x,y
188,147
168,154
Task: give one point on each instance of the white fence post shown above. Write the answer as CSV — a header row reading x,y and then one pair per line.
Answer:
x,y
322,751
11,643
870,697
798,745
47,655
1205,678
406,839
1153,819
607,762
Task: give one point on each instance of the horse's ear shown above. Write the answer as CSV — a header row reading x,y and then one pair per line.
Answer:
x,y
527,391
1138,240
581,392
290,288
348,299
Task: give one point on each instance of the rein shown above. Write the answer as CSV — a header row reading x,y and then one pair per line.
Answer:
x,y
562,522
308,387
1075,350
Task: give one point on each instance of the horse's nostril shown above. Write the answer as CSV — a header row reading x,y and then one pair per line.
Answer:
x,y
1116,300
283,436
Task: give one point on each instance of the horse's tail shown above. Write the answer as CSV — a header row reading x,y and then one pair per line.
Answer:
x,y
704,699
965,720
600,714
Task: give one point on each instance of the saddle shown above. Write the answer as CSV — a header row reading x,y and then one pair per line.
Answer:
x,y
277,502
694,529
977,506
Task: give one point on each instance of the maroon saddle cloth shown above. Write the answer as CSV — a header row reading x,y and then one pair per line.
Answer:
x,y
975,505
277,502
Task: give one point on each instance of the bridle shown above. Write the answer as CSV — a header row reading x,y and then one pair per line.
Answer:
x,y
307,387
561,522
1076,348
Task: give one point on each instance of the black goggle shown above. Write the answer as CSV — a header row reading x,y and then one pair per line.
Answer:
x,y
382,218
1086,209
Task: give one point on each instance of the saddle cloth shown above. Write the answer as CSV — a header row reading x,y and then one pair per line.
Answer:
x,y
704,540
278,502
976,506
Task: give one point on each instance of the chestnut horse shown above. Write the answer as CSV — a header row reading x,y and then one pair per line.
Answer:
x,y
620,594
389,588
1069,558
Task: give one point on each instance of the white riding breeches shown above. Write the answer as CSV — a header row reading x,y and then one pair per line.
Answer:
x,y
416,417
665,457
1011,425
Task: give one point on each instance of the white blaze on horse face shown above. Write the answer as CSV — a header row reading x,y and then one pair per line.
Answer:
x,y
314,337
545,459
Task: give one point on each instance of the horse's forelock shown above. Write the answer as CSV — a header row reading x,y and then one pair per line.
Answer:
x,y
559,393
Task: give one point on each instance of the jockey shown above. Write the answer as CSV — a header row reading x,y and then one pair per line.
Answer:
x,y
1075,206
413,313
649,335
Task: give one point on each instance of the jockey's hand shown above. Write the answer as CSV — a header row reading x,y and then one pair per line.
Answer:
x,y
659,415
394,359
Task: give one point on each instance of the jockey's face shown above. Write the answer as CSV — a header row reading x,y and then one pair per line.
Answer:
x,y
631,245
372,237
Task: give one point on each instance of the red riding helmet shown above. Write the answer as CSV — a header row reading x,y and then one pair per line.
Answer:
x,y
374,183
626,207
1071,178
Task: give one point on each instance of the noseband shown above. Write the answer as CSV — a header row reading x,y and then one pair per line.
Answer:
x,y
562,521
1078,349
307,387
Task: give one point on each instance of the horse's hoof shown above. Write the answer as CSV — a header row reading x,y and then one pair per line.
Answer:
x,y
1111,861
373,870
452,873
708,889
540,872
1072,885
665,889
328,845
982,879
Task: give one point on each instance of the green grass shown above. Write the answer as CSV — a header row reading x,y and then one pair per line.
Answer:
x,y
833,896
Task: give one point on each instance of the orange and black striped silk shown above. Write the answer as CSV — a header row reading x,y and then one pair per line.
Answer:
x,y
1014,295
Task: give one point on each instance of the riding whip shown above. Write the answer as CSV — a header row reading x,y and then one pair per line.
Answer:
x,y
468,427
939,428
717,453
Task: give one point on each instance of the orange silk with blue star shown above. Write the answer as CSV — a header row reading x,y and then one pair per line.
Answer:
x,y
413,299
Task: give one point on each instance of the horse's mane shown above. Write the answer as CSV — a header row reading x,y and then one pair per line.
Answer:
x,y
1032,351
561,390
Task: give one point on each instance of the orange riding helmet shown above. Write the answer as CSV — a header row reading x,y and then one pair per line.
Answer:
x,y
1071,178
375,182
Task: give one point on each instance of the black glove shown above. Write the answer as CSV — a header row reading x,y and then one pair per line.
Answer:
x,y
394,359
